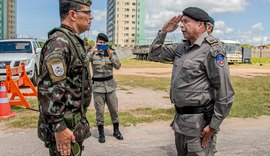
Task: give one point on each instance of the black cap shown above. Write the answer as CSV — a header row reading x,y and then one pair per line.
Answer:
x,y
103,37
212,21
196,14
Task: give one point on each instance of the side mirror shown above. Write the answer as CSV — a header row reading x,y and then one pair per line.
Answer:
x,y
38,50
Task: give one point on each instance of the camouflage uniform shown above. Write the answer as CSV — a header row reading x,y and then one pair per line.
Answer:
x,y
104,90
198,77
60,88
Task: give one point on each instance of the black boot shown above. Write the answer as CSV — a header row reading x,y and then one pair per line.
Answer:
x,y
116,132
101,138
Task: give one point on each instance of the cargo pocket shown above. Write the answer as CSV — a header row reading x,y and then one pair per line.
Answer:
x,y
82,131
194,146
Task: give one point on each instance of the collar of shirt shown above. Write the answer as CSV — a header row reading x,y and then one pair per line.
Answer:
x,y
198,42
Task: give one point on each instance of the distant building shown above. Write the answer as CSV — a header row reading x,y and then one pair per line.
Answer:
x,y
7,19
125,22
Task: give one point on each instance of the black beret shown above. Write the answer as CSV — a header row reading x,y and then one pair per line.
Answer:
x,y
196,14
212,21
103,37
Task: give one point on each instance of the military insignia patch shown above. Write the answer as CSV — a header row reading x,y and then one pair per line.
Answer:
x,y
56,67
220,60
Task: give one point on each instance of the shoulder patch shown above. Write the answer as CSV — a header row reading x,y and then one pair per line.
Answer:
x,y
56,66
220,60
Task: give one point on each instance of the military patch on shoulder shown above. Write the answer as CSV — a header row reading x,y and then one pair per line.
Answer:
x,y
56,67
220,60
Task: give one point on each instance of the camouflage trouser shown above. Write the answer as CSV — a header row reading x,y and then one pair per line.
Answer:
x,y
191,146
112,102
53,150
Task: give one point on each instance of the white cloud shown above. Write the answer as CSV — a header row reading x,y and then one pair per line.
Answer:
x,y
158,12
94,33
257,26
221,29
99,15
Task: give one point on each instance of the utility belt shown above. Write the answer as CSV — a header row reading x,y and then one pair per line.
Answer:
x,y
72,119
207,110
102,79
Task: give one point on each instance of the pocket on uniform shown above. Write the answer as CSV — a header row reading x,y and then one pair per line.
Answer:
x,y
194,145
82,131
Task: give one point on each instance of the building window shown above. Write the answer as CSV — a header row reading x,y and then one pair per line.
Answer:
x,y
133,22
133,16
133,3
126,28
126,22
126,34
126,16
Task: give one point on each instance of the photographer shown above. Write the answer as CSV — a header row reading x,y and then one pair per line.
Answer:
x,y
103,60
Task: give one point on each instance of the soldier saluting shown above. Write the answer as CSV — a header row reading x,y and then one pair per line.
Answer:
x,y
64,90
201,89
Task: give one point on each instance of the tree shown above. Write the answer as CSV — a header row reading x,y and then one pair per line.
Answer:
x,y
246,45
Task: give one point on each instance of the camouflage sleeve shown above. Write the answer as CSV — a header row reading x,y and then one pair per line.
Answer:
x,y
218,73
52,92
115,61
160,52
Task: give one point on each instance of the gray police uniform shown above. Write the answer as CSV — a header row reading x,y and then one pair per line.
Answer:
x,y
200,75
104,85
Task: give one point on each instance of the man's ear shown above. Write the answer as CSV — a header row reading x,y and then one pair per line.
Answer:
x,y
72,15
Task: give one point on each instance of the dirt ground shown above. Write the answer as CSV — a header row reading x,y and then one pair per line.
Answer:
x,y
142,97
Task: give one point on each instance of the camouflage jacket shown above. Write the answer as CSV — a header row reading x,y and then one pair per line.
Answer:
x,y
102,67
60,86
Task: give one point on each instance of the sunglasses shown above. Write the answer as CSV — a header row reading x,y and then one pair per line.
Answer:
x,y
84,11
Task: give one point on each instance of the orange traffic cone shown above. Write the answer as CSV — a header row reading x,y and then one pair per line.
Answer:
x,y
5,110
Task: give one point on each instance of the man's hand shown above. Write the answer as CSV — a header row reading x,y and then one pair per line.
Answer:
x,y
109,53
206,135
171,25
63,141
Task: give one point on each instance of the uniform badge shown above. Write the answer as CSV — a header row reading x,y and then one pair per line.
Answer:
x,y
220,60
56,67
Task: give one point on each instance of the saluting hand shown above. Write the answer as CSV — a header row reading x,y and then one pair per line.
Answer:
x,y
171,25
63,141
206,135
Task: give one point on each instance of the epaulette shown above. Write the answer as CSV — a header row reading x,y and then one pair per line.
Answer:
x,y
211,40
216,46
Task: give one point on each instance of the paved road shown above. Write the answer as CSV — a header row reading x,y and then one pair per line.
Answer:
x,y
241,137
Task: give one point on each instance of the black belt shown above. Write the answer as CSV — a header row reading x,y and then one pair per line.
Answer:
x,y
194,109
102,78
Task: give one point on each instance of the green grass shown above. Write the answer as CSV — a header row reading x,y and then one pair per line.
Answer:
x,y
251,100
133,63
260,60
155,83
251,97
136,116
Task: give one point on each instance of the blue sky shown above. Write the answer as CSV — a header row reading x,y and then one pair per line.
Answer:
x,y
247,21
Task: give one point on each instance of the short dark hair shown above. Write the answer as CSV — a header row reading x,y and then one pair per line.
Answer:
x,y
66,6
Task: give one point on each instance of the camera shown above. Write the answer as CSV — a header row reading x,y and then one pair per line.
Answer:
x,y
102,47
